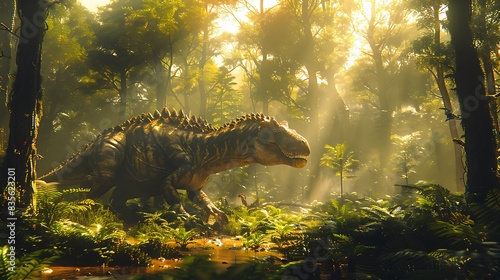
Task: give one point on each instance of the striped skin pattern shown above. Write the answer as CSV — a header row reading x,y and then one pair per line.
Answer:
x,y
158,154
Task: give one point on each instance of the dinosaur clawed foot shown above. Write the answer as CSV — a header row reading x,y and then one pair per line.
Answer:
x,y
220,216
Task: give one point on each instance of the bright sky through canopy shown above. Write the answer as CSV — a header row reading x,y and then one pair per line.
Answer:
x,y
92,5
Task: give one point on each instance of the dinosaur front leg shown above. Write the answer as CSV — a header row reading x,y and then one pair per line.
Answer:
x,y
201,199
172,197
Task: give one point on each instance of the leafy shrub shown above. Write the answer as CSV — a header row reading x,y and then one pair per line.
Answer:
x,y
155,248
129,255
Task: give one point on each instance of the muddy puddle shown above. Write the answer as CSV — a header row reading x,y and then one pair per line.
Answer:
x,y
223,252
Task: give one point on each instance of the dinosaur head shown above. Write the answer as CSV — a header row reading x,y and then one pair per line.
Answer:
x,y
276,143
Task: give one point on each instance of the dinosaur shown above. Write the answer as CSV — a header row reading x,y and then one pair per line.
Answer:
x,y
244,201
156,154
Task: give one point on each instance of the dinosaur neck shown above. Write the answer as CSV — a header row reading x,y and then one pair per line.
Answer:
x,y
228,147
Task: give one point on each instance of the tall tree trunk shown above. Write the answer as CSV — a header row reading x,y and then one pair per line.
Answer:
x,y
201,79
480,145
383,121
123,94
46,125
165,79
25,101
445,96
6,18
485,54
311,65
265,79
162,80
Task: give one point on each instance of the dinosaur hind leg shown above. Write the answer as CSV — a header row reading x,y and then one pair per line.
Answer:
x,y
99,183
107,156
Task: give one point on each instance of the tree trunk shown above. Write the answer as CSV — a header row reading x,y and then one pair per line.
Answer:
x,y
264,79
123,95
445,96
6,18
201,79
310,64
25,101
161,87
480,146
165,79
485,54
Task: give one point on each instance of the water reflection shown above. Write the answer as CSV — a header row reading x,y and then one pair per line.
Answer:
x,y
229,252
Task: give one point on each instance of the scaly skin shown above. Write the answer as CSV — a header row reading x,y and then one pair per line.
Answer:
x,y
152,155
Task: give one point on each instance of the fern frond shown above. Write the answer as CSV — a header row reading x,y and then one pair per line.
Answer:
x,y
376,212
411,188
76,190
86,202
493,200
5,273
458,218
31,264
457,234
488,214
408,258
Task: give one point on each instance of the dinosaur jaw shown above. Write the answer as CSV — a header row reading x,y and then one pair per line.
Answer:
x,y
297,160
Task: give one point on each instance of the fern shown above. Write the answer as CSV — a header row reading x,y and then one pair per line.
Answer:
x,y
413,264
461,234
5,273
75,190
487,215
30,265
411,188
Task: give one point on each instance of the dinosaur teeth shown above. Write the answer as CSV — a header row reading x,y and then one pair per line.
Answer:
x,y
292,155
157,114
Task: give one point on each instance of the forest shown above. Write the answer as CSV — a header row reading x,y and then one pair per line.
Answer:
x,y
398,101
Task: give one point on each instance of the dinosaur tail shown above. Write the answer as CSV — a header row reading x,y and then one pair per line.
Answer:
x,y
69,173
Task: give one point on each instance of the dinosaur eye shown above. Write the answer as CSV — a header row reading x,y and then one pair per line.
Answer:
x,y
275,130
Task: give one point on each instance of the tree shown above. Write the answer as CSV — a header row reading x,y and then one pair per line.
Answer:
x,y
119,49
6,21
406,158
66,43
207,48
486,26
436,58
341,161
381,74
480,145
25,101
223,100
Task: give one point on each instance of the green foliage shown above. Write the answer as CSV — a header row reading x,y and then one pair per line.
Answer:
x,y
183,237
223,99
153,227
129,255
155,248
82,245
341,161
27,267
255,240
281,230
53,205
407,154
